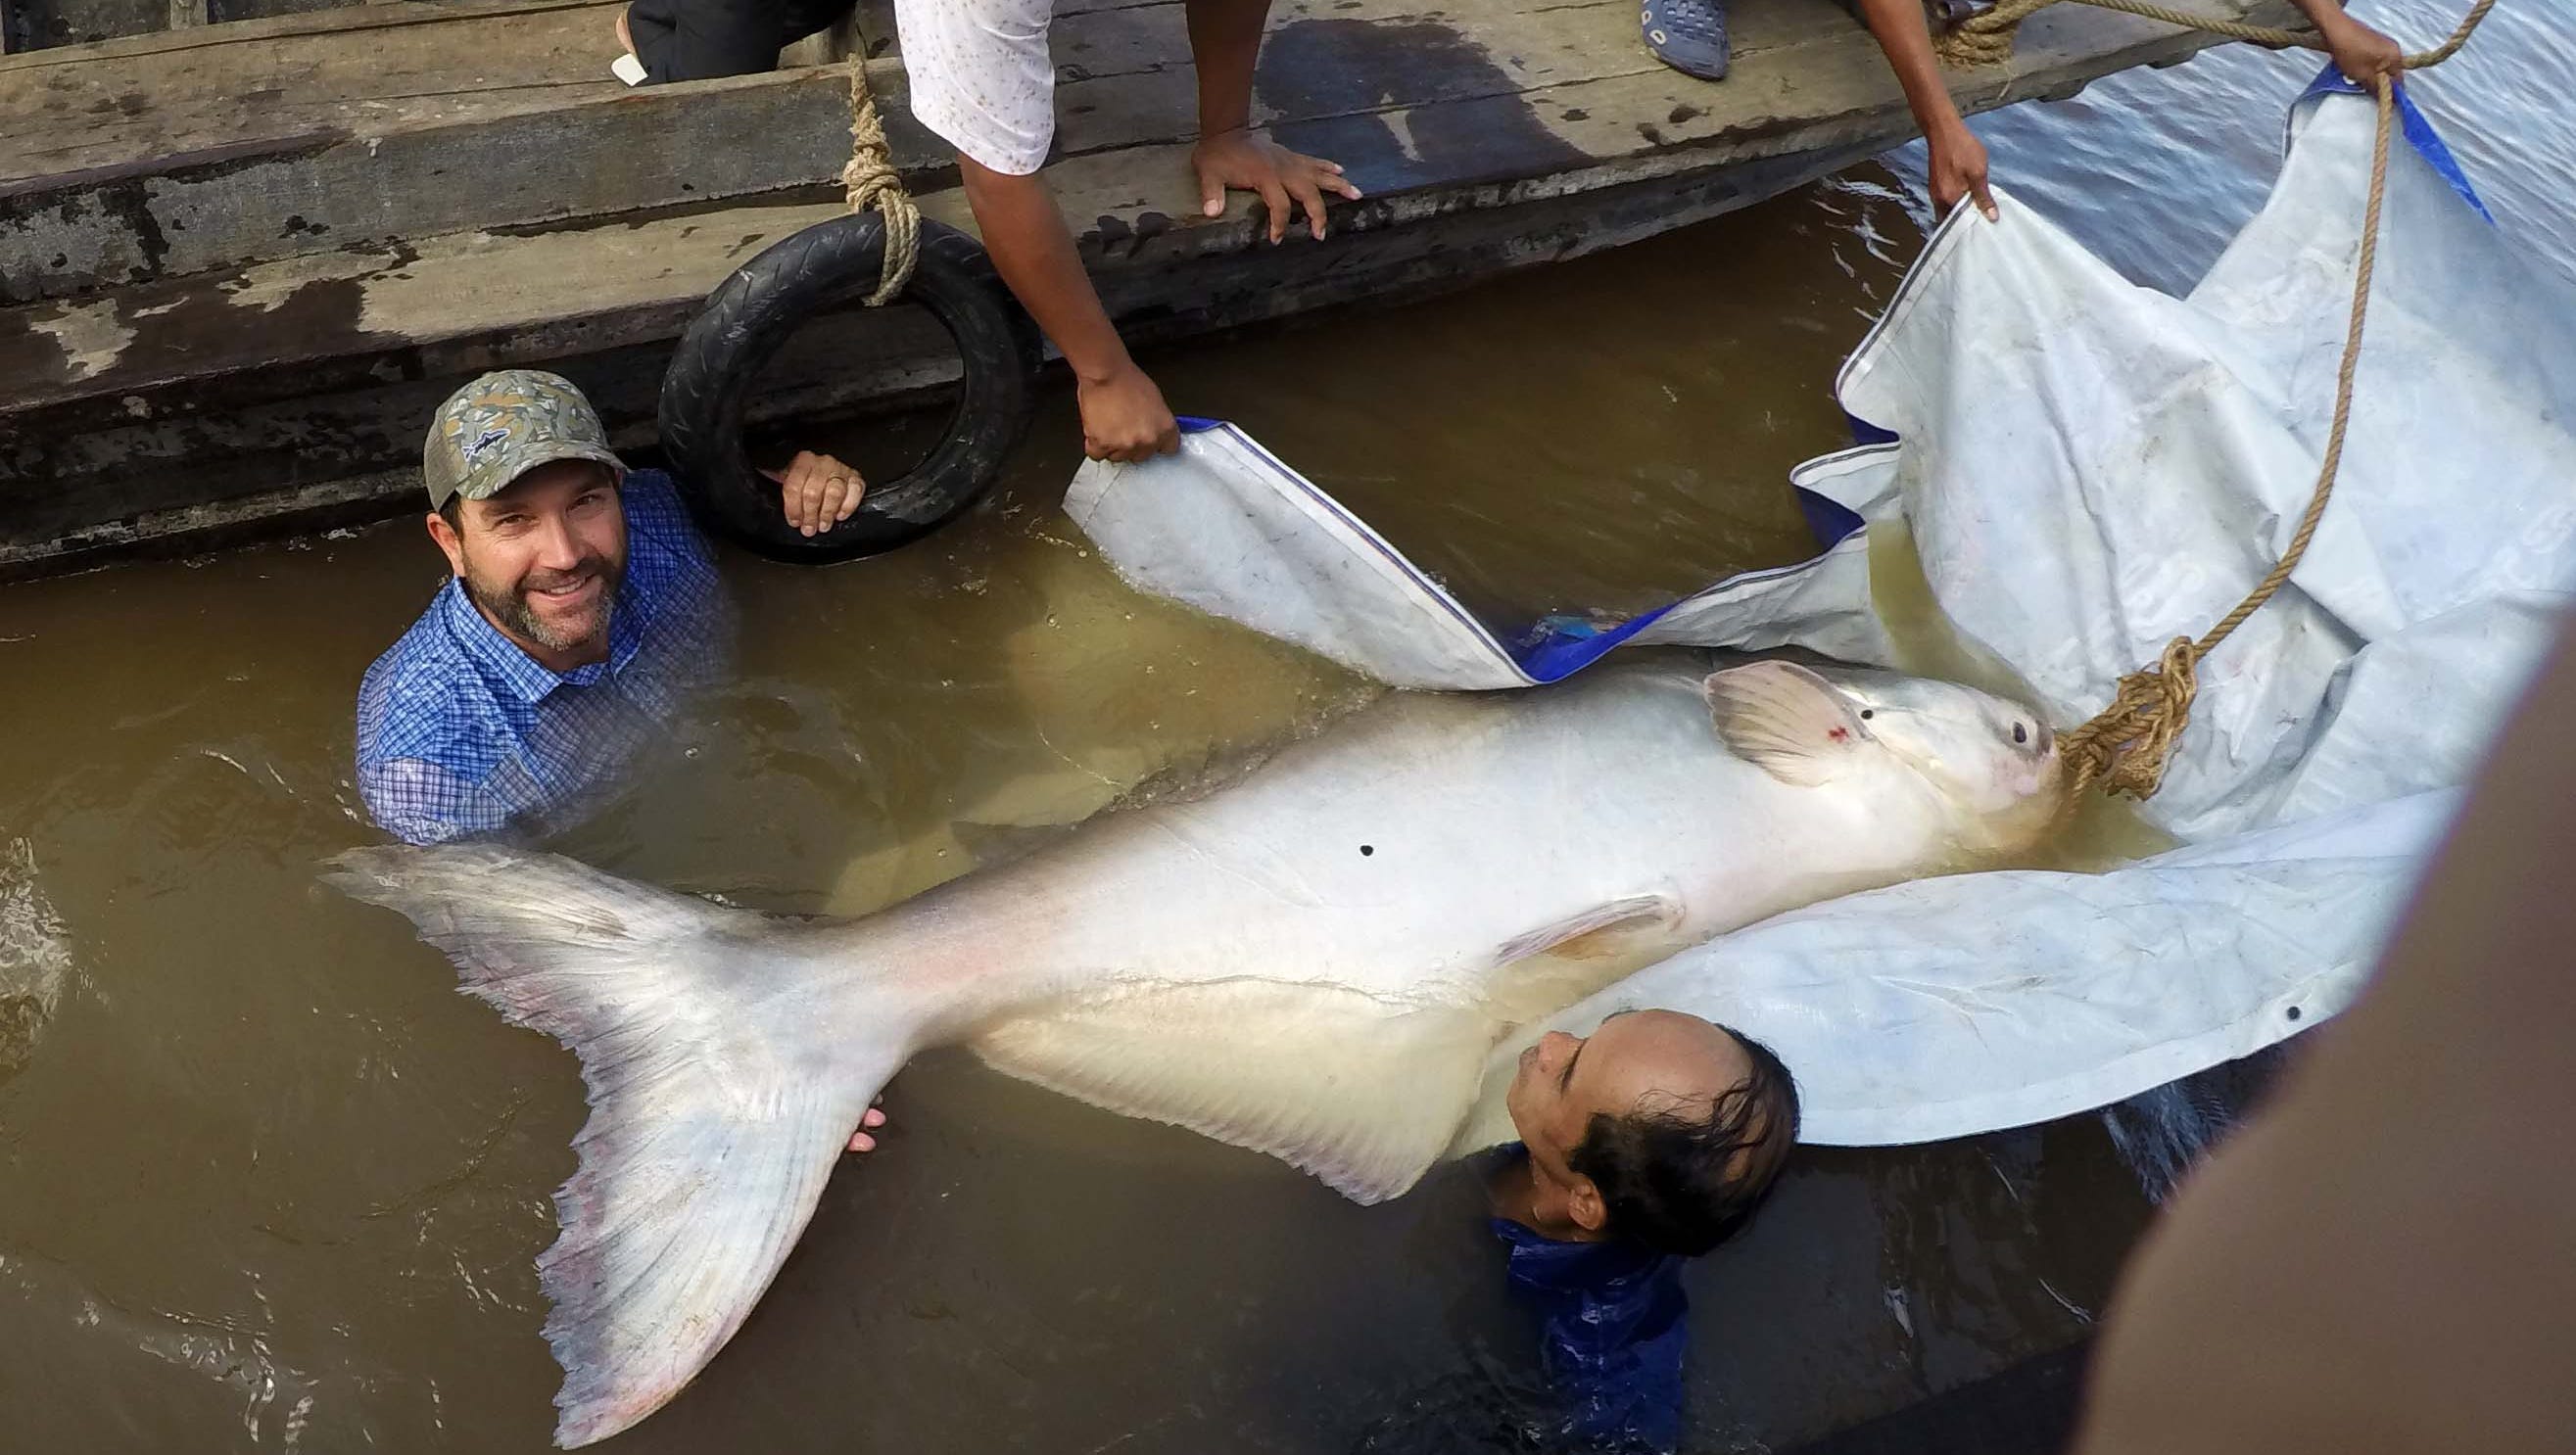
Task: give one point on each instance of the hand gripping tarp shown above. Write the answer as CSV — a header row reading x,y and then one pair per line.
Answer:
x,y
2087,469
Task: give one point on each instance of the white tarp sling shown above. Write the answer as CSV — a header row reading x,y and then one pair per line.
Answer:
x,y
2089,469
1225,526
1964,1004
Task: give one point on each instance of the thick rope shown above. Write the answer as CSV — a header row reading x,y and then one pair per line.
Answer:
x,y
2127,745
871,181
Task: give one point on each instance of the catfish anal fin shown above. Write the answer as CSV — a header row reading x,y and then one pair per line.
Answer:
x,y
1361,1094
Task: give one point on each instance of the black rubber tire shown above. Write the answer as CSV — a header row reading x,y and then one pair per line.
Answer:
x,y
747,319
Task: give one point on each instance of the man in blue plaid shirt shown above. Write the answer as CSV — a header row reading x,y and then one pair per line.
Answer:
x,y
584,606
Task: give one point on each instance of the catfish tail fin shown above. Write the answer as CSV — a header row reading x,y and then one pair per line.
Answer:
x,y
718,1104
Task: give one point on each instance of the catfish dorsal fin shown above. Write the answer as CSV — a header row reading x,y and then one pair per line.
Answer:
x,y
1785,720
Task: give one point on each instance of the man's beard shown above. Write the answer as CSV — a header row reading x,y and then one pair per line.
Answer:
x,y
510,606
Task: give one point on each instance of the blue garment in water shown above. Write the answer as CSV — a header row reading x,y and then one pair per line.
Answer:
x,y
1613,1335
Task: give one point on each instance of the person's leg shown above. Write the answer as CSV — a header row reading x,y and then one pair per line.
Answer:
x,y
695,40
798,19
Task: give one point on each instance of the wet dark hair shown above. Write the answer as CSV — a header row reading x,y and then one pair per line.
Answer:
x,y
1681,1176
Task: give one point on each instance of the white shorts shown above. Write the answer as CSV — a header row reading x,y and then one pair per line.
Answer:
x,y
982,77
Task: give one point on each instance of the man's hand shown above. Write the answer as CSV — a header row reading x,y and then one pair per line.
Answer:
x,y
1256,164
1124,418
1958,169
818,493
2361,53
860,1141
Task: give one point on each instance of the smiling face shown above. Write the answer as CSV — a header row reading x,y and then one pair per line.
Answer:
x,y
1659,1126
543,558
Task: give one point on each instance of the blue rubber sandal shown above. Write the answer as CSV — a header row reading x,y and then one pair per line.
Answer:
x,y
1687,35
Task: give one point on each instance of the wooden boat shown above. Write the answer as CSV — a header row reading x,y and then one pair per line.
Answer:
x,y
241,260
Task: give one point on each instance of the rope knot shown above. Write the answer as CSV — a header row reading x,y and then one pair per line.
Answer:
x,y
870,180
1985,38
2125,746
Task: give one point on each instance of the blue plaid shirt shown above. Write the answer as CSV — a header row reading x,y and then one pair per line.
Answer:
x,y
460,732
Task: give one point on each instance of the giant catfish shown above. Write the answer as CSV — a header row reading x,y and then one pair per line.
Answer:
x,y
1313,961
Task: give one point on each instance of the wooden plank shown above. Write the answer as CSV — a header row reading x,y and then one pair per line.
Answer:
x,y
54,23
225,12
1124,74
614,152
1400,51
116,110
399,131
168,401
318,461
1318,64
1132,208
1818,93
380,15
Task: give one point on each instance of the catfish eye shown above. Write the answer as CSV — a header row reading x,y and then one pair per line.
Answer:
x,y
2020,734
1867,713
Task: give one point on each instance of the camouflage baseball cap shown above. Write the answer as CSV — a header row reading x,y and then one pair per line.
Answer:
x,y
503,425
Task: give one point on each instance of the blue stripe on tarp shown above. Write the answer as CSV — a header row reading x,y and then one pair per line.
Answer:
x,y
2412,123
1865,433
1556,647
1829,520
1553,647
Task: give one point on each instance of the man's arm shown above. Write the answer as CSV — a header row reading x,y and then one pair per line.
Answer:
x,y
1958,165
1225,42
421,802
2361,53
1123,414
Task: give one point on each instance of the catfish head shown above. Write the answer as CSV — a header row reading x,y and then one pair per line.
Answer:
x,y
1985,766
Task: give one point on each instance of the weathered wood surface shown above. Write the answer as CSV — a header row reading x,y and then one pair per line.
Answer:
x,y
180,154
244,467
189,152
30,24
199,400
132,102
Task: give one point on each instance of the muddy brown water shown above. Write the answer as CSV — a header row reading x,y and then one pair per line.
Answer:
x,y
267,1183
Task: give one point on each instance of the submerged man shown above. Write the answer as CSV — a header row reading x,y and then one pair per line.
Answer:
x,y
583,606
983,80
1644,1144
1690,36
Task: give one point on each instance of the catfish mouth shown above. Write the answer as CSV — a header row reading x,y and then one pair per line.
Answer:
x,y
2046,805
